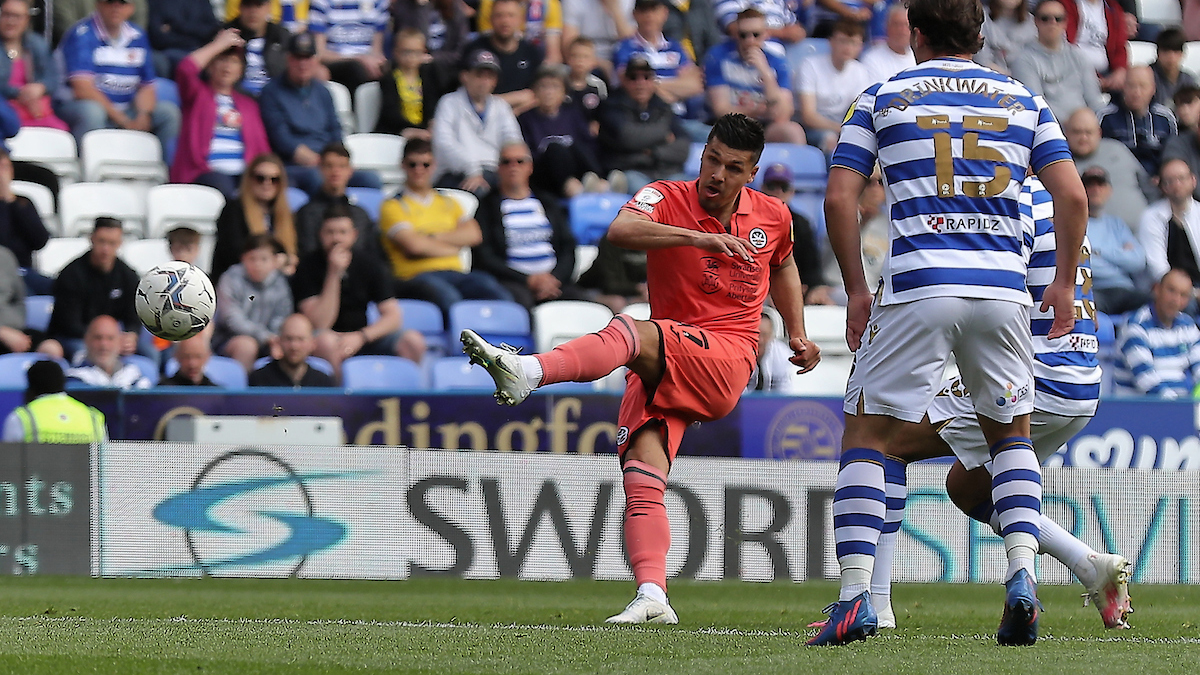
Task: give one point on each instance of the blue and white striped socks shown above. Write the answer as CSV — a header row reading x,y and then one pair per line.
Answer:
x,y
1017,495
859,506
896,488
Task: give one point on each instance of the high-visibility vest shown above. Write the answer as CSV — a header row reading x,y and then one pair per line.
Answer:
x,y
58,418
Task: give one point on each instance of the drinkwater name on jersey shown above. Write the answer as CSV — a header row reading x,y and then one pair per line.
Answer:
x,y
953,140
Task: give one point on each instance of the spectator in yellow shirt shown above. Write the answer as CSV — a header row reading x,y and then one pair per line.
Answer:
x,y
543,25
424,234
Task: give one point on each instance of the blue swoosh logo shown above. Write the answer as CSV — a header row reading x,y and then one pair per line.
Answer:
x,y
307,534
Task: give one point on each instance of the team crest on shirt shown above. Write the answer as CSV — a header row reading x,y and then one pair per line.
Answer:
x,y
646,198
622,436
758,238
710,278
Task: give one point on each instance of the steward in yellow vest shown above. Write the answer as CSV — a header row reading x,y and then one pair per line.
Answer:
x,y
51,416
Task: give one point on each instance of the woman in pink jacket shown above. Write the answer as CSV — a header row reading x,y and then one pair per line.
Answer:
x,y
222,129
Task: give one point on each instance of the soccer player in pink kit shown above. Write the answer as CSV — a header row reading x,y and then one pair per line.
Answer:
x,y
715,249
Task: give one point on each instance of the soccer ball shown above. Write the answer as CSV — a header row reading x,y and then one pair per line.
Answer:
x,y
175,300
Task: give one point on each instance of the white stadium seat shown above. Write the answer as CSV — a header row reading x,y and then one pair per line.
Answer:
x,y
82,203
638,310
144,254
53,147
557,321
1191,58
467,201
344,106
1142,53
1160,12
367,99
196,206
826,326
379,153
828,379
57,253
584,257
122,154
43,201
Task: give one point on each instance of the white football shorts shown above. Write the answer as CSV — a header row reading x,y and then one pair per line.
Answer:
x,y
899,367
953,415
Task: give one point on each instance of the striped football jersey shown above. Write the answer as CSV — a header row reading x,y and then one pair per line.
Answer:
x,y
1066,373
954,140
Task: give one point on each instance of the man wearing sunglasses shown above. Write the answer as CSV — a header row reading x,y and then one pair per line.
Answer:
x,y
641,139
1055,68
743,77
424,234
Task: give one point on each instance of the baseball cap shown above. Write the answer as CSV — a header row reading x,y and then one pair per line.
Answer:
x,y
778,173
1096,174
482,58
638,62
302,45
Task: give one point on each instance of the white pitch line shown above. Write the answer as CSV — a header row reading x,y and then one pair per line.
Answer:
x,y
1125,638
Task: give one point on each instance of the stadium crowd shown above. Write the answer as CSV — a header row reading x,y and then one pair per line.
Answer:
x,y
529,106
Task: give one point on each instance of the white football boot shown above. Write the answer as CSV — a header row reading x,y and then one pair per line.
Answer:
x,y
644,609
1109,592
502,364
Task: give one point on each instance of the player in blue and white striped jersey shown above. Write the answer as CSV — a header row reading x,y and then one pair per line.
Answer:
x,y
1067,377
954,140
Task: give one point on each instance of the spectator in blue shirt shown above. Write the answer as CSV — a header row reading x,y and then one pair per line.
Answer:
x,y
1118,259
300,118
110,78
1137,121
177,28
1159,348
743,76
680,81
349,37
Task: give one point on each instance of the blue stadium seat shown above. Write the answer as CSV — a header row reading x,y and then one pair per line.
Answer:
x,y
495,320
296,198
148,367
692,166
368,199
376,373
314,362
165,89
455,373
225,372
591,214
1106,332
807,163
811,205
38,309
426,318
13,367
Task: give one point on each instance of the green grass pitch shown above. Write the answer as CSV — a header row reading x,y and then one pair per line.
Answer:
x,y
64,626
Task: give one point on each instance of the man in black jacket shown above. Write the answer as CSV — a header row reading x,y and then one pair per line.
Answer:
x,y
177,28
527,242
639,133
335,177
96,283
266,44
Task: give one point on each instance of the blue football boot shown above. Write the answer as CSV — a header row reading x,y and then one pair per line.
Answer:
x,y
849,620
1019,625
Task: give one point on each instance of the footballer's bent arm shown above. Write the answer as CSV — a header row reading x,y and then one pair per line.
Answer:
x,y
638,232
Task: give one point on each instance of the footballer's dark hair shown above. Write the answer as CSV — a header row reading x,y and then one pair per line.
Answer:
x,y
949,26
740,133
